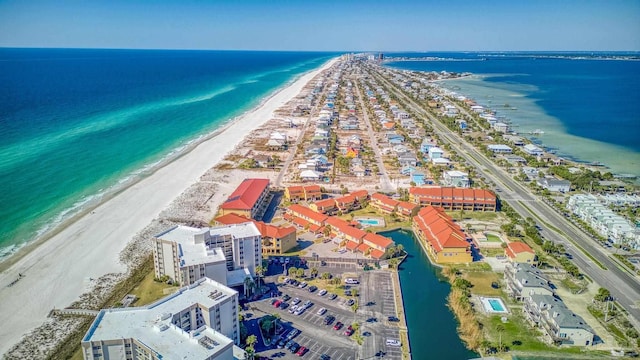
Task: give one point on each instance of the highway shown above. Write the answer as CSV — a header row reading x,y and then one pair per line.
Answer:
x,y
624,287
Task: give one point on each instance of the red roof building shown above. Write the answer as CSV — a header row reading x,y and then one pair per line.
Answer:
x,y
326,206
445,240
383,203
275,239
452,199
376,241
518,251
306,214
247,199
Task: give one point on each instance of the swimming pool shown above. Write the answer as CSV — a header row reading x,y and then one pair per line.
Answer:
x,y
370,222
493,305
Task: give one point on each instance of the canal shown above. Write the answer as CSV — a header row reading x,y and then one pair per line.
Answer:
x,y
432,326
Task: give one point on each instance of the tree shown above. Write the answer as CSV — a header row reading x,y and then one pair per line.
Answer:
x,y
248,285
300,272
393,263
251,340
259,271
314,272
500,330
293,271
327,230
602,295
325,276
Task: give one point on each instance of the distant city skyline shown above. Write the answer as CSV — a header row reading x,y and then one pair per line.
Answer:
x,y
405,25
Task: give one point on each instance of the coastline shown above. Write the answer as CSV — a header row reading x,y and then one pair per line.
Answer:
x,y
60,266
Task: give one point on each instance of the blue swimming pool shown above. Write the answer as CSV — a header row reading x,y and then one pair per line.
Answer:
x,y
369,221
496,305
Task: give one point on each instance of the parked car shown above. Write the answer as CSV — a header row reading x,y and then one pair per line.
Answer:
x,y
302,285
295,301
332,296
393,342
321,311
337,326
300,311
284,305
293,309
286,297
294,347
322,292
292,334
329,319
349,331
277,303
350,302
301,351
313,288
393,319
325,357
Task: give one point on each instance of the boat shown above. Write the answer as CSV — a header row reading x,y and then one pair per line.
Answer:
x,y
536,132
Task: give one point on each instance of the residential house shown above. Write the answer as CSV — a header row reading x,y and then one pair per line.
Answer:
x,y
500,149
501,127
456,179
435,153
555,185
309,175
532,150
519,252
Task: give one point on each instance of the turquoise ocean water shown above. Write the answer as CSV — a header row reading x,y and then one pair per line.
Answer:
x,y
76,124
587,104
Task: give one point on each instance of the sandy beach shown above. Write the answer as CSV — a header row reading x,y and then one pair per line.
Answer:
x,y
60,270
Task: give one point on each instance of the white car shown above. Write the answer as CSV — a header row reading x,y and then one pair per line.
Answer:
x,y
322,292
293,309
295,301
393,342
321,311
299,311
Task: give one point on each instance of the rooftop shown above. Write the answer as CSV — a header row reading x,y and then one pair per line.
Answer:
x,y
152,324
245,196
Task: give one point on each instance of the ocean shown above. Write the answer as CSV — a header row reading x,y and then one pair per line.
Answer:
x,y
587,104
76,124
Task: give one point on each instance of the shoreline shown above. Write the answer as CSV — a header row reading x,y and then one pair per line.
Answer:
x,y
53,227
56,269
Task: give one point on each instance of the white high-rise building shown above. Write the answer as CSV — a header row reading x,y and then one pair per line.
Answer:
x,y
197,322
227,254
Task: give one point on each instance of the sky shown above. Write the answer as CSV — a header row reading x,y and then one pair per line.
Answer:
x,y
344,25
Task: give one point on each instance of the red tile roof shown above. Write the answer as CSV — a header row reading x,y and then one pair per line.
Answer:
x,y
299,210
517,247
312,189
376,254
246,194
352,245
379,240
406,207
439,229
456,194
363,248
327,203
384,200
266,230
295,190
360,194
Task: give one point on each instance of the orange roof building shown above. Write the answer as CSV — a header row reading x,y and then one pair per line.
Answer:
x,y
383,203
451,198
275,239
306,193
306,214
326,206
406,209
520,252
445,240
247,199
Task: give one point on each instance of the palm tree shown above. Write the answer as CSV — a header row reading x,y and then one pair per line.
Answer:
x,y
500,330
399,248
248,284
314,272
393,263
259,271
325,276
251,340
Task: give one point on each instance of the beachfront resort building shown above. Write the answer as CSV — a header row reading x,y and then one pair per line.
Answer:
x,y
524,280
444,239
199,321
452,199
275,239
557,322
249,199
228,254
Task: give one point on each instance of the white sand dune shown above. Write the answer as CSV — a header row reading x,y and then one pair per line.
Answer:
x,y
57,272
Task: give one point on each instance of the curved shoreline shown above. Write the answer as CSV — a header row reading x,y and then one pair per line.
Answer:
x,y
52,227
59,269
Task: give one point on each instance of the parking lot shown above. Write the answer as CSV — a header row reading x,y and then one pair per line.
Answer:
x,y
376,305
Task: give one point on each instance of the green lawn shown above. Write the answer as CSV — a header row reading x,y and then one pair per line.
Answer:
x,y
482,282
149,291
493,238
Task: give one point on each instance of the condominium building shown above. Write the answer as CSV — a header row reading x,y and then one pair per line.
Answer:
x,y
558,323
275,239
225,253
524,280
248,199
199,321
443,238
452,199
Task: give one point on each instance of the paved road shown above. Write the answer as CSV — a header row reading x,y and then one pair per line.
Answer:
x,y
385,182
625,288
